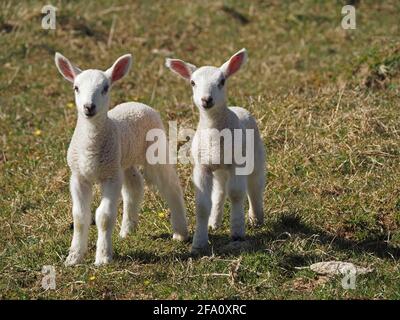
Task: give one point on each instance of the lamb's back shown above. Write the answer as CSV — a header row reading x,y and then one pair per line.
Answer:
x,y
247,121
133,121
245,118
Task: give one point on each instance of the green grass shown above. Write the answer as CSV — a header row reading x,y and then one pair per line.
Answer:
x,y
328,114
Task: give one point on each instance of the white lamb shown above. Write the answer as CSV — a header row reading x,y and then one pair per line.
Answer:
x,y
214,176
107,147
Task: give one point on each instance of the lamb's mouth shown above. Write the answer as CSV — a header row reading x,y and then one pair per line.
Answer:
x,y
89,114
208,106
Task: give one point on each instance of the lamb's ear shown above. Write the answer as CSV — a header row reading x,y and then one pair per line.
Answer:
x,y
234,63
120,68
66,68
180,67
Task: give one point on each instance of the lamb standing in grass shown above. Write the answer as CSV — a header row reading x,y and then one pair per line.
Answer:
x,y
107,147
213,178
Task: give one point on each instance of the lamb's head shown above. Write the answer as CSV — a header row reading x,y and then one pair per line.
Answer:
x,y
92,86
208,83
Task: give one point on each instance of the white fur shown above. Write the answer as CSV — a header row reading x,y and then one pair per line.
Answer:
x,y
108,147
214,181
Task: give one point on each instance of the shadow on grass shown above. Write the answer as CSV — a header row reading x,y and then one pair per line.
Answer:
x,y
287,227
150,257
375,244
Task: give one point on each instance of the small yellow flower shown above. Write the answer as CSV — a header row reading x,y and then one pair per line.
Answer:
x,y
162,215
70,105
146,282
37,132
92,278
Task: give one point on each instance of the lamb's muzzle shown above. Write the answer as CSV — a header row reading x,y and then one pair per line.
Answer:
x,y
89,109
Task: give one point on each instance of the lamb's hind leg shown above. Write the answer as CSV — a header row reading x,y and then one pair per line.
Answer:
x,y
165,178
218,197
255,189
132,196
256,185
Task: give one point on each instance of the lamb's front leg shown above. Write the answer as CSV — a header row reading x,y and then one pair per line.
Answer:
x,y
202,178
81,193
106,215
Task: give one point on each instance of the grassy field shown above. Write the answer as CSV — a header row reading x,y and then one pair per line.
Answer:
x,y
327,102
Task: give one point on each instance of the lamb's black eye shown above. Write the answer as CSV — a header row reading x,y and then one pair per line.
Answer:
x,y
76,89
221,83
105,89
192,83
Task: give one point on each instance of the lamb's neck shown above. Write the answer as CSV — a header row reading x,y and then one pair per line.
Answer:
x,y
214,118
92,131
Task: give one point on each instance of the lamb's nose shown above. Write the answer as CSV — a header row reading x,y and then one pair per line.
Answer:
x,y
89,108
207,102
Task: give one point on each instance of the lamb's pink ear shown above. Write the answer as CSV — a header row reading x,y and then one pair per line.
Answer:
x,y
180,67
66,68
120,68
234,63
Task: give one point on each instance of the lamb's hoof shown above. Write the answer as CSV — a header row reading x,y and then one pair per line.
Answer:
x,y
214,226
103,260
180,237
256,223
74,258
200,251
124,233
127,229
